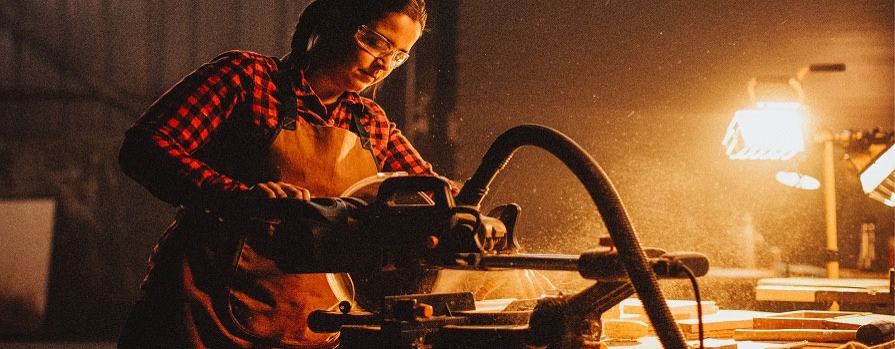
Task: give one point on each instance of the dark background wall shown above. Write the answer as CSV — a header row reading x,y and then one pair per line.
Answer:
x,y
647,88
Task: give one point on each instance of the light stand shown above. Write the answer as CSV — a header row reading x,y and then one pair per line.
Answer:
x,y
829,185
765,133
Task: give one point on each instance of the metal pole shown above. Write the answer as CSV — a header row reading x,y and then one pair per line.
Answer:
x,y
832,253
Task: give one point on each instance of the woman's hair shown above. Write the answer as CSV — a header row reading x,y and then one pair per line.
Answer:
x,y
329,23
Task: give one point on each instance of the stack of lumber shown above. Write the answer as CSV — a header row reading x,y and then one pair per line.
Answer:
x,y
809,325
628,320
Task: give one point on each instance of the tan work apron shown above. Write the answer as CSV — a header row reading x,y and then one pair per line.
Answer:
x,y
264,301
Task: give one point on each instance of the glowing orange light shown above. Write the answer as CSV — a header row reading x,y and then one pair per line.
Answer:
x,y
771,131
878,179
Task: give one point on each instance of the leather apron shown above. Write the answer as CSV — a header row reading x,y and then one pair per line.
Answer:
x,y
214,283
265,301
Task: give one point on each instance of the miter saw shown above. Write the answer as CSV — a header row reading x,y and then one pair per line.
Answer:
x,y
414,223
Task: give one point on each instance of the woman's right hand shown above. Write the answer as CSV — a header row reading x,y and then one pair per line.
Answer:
x,y
280,190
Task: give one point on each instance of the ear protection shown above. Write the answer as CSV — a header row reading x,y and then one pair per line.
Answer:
x,y
330,18
323,24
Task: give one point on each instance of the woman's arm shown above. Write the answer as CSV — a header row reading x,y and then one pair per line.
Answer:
x,y
157,150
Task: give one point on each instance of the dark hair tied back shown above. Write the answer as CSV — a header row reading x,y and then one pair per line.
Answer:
x,y
325,20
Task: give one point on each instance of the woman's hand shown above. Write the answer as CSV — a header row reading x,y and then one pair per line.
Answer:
x,y
280,190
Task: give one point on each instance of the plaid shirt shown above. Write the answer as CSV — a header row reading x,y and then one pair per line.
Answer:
x,y
158,150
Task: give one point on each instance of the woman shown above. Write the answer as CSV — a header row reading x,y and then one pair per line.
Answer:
x,y
245,125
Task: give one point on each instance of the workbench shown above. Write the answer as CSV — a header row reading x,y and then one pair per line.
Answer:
x,y
823,290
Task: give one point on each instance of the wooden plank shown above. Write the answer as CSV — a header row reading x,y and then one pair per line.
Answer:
x,y
865,284
854,322
680,309
723,320
811,335
625,329
785,293
882,298
807,319
823,289
711,343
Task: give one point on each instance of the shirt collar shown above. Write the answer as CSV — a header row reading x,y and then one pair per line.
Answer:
x,y
304,89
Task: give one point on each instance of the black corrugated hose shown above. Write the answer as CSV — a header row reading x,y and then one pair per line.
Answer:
x,y
608,204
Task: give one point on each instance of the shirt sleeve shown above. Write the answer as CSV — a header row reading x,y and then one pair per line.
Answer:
x,y
157,150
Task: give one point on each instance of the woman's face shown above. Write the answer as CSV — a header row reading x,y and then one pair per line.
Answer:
x,y
367,65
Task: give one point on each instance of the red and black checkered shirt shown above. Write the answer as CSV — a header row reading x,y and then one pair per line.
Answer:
x,y
158,150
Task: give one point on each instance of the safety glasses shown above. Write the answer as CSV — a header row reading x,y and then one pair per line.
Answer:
x,y
379,46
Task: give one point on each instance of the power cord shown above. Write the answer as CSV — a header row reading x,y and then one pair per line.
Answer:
x,y
692,278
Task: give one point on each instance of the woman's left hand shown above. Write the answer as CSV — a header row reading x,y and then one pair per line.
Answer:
x,y
280,190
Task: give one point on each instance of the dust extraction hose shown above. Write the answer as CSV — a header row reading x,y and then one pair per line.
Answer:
x,y
604,195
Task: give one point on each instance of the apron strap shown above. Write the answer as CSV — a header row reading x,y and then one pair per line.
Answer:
x,y
287,107
357,110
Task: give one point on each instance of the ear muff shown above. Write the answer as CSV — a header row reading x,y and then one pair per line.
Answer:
x,y
322,26
330,23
